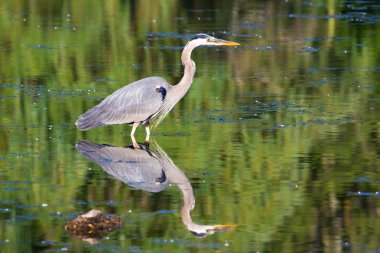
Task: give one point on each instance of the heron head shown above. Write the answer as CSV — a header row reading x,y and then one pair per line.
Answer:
x,y
207,40
205,230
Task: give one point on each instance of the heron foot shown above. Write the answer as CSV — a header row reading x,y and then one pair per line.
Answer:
x,y
134,142
147,135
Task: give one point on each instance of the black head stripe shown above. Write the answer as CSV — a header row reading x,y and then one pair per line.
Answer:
x,y
200,36
199,235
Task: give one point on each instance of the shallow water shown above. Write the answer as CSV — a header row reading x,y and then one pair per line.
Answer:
x,y
280,136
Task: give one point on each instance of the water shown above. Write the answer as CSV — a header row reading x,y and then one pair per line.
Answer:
x,y
279,136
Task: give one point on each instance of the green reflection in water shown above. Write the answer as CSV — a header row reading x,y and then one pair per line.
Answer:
x,y
278,136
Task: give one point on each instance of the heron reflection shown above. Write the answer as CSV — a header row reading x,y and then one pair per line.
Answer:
x,y
148,169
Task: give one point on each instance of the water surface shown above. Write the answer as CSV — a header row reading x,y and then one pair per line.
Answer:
x,y
280,136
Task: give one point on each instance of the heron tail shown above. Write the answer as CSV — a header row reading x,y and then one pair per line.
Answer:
x,y
88,120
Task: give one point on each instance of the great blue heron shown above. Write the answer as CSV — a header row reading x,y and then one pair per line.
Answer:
x,y
147,100
148,169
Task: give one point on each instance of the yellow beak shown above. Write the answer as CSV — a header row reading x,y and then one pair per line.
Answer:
x,y
226,227
226,43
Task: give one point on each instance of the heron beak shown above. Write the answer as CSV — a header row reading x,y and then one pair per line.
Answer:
x,y
226,227
225,43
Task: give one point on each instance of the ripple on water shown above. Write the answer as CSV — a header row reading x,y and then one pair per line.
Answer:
x,y
168,35
314,4
319,38
369,68
40,46
248,25
189,244
310,49
364,194
352,17
25,217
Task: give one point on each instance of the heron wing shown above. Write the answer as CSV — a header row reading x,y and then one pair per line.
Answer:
x,y
135,102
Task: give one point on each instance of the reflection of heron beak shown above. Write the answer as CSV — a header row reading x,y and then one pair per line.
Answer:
x,y
226,227
226,43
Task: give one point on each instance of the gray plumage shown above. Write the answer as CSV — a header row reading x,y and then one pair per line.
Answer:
x,y
147,100
139,101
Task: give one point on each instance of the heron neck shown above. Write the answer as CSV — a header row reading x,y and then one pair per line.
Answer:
x,y
188,202
184,85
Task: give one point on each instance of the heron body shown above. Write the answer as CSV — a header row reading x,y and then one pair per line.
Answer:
x,y
147,100
138,102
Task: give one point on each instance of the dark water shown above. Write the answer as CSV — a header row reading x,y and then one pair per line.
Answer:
x,y
280,136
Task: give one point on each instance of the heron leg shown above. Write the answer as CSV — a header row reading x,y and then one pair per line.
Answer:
x,y
147,135
134,142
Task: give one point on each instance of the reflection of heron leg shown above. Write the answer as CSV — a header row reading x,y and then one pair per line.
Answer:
x,y
134,142
147,135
